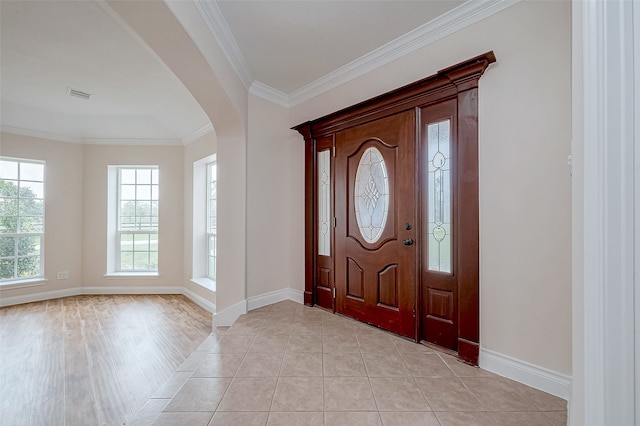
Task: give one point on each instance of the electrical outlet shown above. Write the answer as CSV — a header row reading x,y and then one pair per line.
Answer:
x,y
64,275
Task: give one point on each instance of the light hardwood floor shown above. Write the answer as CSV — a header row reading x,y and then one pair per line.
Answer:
x,y
92,360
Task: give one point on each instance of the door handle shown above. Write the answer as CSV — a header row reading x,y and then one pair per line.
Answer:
x,y
407,242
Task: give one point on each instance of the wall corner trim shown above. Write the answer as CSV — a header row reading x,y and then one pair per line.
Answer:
x,y
541,378
228,316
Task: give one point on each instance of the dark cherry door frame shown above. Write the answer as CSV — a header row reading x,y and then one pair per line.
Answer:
x,y
458,82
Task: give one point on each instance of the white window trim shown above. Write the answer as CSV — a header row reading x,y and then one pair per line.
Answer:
x,y
41,278
210,234
113,232
199,224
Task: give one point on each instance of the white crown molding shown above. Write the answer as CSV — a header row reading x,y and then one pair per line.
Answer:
x,y
92,141
198,134
133,141
39,134
456,19
269,93
214,19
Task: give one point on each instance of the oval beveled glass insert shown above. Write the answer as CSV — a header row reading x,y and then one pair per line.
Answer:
x,y
371,195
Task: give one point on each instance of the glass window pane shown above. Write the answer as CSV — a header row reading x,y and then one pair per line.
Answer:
x,y
324,203
127,192
8,224
212,268
31,206
155,192
8,207
439,196
155,176
143,192
32,171
141,261
371,195
143,177
8,169
29,246
141,242
126,242
8,188
127,208
31,189
153,242
126,261
28,266
31,224
212,245
7,246
143,208
153,261
128,176
7,268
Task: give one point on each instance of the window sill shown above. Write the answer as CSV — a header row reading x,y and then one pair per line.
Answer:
x,y
132,275
205,282
32,282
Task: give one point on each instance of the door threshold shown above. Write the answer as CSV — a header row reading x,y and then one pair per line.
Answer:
x,y
439,348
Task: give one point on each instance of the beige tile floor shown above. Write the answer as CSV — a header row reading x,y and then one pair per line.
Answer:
x,y
288,364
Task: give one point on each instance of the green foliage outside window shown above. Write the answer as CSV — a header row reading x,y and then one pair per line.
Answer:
x,y
20,213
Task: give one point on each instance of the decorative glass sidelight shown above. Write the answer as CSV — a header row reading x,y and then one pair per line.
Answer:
x,y
324,203
371,195
439,204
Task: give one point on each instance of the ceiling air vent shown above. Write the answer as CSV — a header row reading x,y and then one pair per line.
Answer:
x,y
78,93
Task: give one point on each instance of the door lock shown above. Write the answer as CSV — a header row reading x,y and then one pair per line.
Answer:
x,y
407,242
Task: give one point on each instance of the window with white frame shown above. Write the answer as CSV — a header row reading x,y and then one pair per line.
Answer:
x,y
21,219
212,203
137,219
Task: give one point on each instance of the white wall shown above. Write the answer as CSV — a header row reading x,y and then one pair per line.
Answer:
x,y
272,196
97,158
63,208
525,188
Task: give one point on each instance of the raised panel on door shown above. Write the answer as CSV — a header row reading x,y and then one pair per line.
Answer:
x,y
375,270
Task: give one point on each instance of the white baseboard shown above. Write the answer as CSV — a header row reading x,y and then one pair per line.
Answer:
x,y
200,301
131,290
272,297
78,291
228,316
549,381
39,297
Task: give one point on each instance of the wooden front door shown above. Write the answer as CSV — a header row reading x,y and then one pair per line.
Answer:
x,y
375,213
